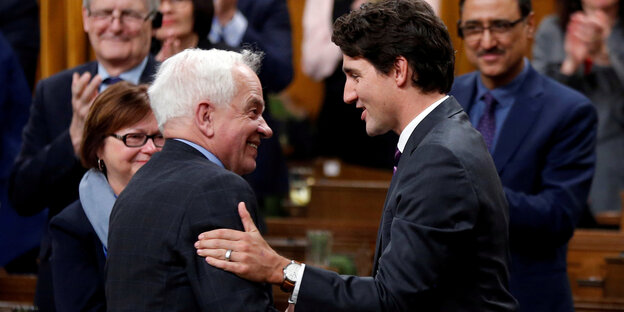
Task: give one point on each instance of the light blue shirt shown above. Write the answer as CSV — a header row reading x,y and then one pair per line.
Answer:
x,y
505,96
204,151
232,33
133,75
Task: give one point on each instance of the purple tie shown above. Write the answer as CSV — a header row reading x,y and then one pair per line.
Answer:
x,y
487,123
397,157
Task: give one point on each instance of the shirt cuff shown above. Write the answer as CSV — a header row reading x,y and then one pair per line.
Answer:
x,y
295,293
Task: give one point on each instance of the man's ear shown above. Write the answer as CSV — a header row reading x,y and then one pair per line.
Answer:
x,y
401,71
530,21
85,21
204,118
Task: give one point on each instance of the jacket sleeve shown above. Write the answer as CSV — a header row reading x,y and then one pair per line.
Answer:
x,y
548,216
76,274
431,241
211,207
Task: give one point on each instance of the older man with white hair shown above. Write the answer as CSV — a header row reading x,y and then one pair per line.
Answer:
x,y
209,107
48,171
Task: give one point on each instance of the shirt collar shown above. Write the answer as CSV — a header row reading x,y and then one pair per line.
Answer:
x,y
407,132
133,75
506,94
204,151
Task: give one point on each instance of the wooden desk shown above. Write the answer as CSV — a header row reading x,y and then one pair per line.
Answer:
x,y
587,267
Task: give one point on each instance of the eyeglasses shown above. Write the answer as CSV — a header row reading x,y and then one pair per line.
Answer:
x,y
474,30
128,18
139,139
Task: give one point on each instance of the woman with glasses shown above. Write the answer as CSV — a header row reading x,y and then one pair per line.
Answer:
x,y
583,47
185,24
120,136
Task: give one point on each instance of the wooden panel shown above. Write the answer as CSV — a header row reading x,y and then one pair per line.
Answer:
x,y
614,279
53,37
77,52
587,251
303,93
598,305
17,288
347,200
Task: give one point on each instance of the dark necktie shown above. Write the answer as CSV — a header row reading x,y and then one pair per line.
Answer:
x,y
487,123
397,157
111,80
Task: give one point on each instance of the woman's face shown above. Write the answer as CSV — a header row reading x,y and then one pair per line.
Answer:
x,y
122,162
177,18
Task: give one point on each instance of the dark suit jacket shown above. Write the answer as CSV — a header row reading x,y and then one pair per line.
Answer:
x,y
545,159
152,264
269,30
47,172
77,262
442,241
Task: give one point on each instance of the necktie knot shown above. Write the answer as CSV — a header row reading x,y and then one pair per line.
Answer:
x,y
111,80
490,102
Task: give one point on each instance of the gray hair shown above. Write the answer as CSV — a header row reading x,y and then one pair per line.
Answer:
x,y
152,5
195,75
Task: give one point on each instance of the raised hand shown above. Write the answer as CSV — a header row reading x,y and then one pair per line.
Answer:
x,y
84,90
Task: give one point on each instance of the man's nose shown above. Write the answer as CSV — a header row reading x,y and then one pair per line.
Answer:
x,y
487,40
264,129
349,96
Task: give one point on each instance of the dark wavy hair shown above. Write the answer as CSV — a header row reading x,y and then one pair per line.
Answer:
x,y
119,106
565,8
382,31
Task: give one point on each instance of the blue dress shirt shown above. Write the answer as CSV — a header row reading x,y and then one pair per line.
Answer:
x,y
505,96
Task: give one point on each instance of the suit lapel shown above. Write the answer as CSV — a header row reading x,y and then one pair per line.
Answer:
x,y
523,114
445,110
465,91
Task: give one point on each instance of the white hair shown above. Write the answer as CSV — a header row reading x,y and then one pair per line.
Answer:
x,y
152,5
195,75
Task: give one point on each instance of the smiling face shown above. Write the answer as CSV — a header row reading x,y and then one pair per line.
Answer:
x,y
118,44
498,56
369,90
239,126
177,18
123,162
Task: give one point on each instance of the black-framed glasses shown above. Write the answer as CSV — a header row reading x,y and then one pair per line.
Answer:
x,y
139,139
127,17
472,30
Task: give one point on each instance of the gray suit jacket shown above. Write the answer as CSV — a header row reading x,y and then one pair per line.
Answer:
x,y
152,264
442,243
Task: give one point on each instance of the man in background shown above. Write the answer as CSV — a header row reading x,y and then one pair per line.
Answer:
x,y
541,136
